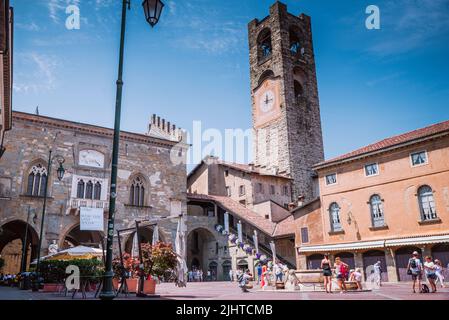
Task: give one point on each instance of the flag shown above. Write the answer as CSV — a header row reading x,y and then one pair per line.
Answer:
x,y
256,241
226,222
239,231
155,239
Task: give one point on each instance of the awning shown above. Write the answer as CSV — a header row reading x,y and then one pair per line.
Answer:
x,y
343,246
417,240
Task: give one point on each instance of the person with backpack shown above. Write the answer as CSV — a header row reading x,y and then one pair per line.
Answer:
x,y
341,271
414,269
243,279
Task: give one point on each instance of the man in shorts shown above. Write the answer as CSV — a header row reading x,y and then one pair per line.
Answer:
x,y
415,268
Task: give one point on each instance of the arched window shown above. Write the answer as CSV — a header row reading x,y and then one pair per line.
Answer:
x,y
295,45
137,193
89,190
37,179
377,211
299,91
264,44
427,203
97,191
334,211
80,190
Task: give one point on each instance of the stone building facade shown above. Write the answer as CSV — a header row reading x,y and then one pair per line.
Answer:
x,y
380,203
285,105
151,181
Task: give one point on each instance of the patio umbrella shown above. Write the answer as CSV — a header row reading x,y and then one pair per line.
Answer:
x,y
180,252
135,247
79,252
155,235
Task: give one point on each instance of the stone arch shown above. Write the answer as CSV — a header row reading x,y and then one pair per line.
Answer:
x,y
201,244
73,237
370,258
146,236
267,74
12,236
314,261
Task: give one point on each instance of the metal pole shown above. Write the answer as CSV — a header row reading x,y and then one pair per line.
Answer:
x,y
107,292
24,244
41,232
141,273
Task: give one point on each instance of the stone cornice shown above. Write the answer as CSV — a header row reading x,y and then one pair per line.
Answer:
x,y
92,129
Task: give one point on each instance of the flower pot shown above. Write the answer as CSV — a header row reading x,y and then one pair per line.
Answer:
x,y
149,286
52,287
115,283
132,285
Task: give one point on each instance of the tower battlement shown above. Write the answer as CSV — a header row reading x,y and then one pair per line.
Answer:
x,y
161,128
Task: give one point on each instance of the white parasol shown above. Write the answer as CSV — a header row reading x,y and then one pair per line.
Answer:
x,y
180,252
155,235
135,247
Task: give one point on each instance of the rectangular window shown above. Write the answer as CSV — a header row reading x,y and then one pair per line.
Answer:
x,y
242,190
371,169
304,235
272,189
331,179
285,190
228,191
226,173
418,158
260,188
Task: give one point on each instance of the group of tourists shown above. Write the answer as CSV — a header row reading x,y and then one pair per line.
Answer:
x,y
432,269
197,275
8,279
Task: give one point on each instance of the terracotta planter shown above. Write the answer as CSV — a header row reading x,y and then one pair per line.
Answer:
x,y
115,283
132,285
52,287
149,286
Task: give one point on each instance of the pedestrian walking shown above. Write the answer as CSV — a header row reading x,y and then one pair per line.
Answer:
x,y
231,275
429,269
378,273
259,273
277,268
439,273
414,269
341,271
327,273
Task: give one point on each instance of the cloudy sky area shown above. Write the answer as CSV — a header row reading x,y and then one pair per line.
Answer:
x,y
194,64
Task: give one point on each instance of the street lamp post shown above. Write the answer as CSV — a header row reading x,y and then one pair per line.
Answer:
x,y
60,173
152,10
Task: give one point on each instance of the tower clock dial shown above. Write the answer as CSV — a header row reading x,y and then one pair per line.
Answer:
x,y
266,101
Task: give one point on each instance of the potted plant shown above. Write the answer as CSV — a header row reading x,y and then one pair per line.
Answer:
x,y
159,262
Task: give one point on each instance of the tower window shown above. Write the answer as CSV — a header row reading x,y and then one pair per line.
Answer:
x,y
295,44
264,44
299,91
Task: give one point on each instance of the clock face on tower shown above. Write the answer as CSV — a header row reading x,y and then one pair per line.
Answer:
x,y
91,158
266,102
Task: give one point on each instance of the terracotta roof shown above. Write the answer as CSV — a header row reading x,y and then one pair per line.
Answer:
x,y
395,141
271,228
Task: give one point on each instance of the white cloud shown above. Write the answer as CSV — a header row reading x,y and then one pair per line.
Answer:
x,y
35,72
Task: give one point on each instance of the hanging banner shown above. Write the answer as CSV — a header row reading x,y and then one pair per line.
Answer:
x,y
91,219
256,241
239,231
273,250
226,222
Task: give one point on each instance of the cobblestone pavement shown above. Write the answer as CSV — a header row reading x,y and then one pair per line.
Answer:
x,y
230,291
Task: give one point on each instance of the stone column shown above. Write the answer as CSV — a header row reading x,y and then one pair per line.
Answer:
x,y
391,265
358,262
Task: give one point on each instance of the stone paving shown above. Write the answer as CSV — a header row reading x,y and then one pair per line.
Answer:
x,y
230,291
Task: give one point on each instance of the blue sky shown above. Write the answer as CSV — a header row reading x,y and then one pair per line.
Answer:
x,y
194,64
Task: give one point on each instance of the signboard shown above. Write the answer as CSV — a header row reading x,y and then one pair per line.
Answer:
x,y
91,219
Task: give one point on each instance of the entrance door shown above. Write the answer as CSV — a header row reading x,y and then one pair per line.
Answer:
x,y
402,257
347,258
226,268
371,257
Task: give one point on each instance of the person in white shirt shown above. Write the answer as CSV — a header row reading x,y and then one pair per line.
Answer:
x,y
439,272
231,275
357,277
429,269
378,273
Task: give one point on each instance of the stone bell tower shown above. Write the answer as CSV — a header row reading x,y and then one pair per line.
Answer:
x,y
285,104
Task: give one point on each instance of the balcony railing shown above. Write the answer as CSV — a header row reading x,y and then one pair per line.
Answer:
x,y
88,203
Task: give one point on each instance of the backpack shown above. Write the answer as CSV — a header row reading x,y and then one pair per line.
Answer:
x,y
240,278
413,263
424,288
